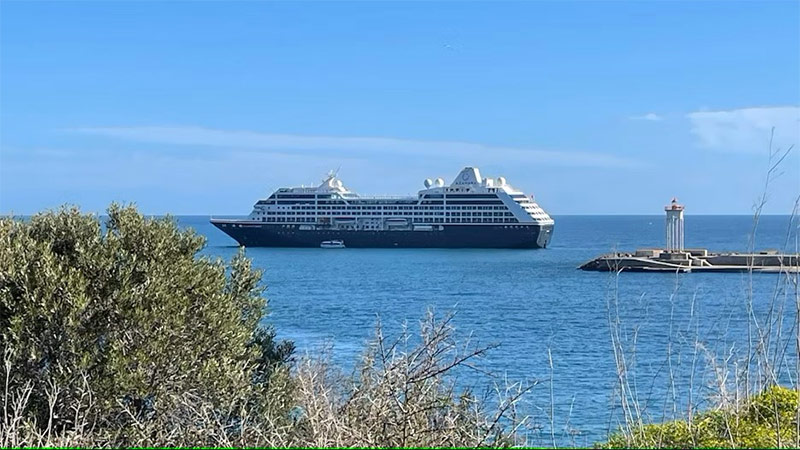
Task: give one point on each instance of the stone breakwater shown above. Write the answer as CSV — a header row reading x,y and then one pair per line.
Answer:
x,y
693,260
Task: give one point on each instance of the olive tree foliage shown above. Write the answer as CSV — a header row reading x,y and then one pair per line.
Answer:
x,y
124,320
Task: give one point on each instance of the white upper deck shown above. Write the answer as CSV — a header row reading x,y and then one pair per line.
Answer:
x,y
469,180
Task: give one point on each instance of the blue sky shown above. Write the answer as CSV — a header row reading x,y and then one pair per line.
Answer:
x,y
202,108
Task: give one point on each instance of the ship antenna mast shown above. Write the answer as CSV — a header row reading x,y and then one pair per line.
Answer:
x,y
332,174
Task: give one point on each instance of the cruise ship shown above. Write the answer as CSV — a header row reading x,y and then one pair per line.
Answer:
x,y
471,212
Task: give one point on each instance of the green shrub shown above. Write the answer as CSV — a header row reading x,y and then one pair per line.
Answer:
x,y
125,320
769,420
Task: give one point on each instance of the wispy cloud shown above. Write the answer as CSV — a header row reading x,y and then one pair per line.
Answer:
x,y
267,142
652,117
746,129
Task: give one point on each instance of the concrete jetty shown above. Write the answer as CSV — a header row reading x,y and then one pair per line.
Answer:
x,y
694,260
676,258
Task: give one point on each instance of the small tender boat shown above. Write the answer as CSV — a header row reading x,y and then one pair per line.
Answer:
x,y
332,244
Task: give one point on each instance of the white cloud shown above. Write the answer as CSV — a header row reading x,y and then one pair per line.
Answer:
x,y
747,129
653,117
266,142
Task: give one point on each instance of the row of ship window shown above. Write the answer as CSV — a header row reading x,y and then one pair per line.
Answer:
x,y
416,213
337,198
416,220
287,193
290,226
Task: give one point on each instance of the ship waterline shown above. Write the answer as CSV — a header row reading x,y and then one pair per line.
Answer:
x,y
472,212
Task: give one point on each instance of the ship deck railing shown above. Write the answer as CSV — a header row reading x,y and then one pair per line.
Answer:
x,y
383,197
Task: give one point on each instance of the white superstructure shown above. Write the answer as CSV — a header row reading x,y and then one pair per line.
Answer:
x,y
469,200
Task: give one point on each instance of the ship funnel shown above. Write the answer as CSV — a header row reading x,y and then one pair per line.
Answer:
x,y
470,175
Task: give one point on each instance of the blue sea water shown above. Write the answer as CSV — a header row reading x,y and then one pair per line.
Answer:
x,y
535,302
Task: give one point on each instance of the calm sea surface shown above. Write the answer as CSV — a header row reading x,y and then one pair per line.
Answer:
x,y
532,301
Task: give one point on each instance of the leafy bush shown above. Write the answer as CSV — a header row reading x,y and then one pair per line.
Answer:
x,y
769,420
122,321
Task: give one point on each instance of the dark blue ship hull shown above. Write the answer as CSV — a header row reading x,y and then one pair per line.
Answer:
x,y
254,234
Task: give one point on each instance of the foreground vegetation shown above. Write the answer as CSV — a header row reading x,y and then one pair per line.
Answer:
x,y
118,333
768,420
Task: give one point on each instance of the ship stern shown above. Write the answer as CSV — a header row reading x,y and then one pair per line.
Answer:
x,y
545,235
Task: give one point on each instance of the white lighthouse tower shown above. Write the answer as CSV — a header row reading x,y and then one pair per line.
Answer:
x,y
674,226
